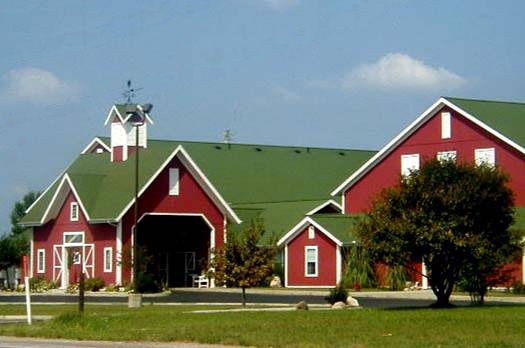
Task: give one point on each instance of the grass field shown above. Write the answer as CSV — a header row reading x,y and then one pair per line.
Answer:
x,y
457,327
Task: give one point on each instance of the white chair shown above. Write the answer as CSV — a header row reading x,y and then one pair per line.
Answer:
x,y
201,281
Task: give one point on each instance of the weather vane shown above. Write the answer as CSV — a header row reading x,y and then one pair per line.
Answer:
x,y
129,93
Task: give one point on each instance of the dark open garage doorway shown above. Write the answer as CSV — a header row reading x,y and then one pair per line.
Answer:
x,y
177,246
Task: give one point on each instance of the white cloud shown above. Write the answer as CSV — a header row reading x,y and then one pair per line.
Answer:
x,y
397,71
36,86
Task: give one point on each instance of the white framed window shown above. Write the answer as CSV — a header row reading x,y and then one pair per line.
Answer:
x,y
99,150
310,261
73,211
76,257
108,259
446,156
174,182
41,261
485,156
73,238
446,128
311,232
409,163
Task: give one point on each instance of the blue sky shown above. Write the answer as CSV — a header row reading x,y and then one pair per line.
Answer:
x,y
345,74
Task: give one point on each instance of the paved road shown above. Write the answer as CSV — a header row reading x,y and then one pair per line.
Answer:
x,y
219,297
15,342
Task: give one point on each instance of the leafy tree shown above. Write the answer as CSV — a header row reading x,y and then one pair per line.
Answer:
x,y
241,262
19,211
454,217
15,245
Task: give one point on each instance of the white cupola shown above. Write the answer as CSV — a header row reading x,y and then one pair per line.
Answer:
x,y
124,118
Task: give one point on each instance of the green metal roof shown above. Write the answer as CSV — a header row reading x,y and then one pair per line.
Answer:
x,y
339,225
508,118
243,174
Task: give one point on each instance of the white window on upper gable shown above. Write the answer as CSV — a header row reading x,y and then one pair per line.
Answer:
x,y
446,156
73,211
446,125
409,163
485,156
174,182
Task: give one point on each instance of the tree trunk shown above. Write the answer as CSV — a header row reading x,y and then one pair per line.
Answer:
x,y
7,278
243,296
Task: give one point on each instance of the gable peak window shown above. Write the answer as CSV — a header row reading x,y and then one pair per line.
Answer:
x,y
73,211
446,125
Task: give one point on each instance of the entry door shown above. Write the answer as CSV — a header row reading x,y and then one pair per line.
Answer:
x,y
181,266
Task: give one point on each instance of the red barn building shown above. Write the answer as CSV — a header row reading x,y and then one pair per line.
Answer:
x,y
191,194
465,130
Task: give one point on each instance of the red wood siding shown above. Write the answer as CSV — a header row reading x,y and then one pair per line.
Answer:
x,y
426,141
45,237
192,199
118,153
326,255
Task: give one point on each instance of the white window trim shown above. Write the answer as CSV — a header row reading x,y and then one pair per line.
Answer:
x,y
67,244
406,157
477,152
311,232
110,269
174,188
446,125
306,249
447,155
73,217
41,266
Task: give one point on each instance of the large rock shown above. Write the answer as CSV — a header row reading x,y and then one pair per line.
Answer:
x,y
276,282
301,306
351,302
339,305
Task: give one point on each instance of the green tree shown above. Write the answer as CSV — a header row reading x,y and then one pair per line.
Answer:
x,y
15,244
454,217
19,211
241,262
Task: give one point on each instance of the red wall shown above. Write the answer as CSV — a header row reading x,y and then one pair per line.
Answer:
x,y
327,266
191,199
102,235
426,141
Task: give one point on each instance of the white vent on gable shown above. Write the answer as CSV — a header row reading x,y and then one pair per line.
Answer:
x,y
174,182
446,126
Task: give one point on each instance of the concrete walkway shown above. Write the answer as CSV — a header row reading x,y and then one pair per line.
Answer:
x,y
19,342
257,296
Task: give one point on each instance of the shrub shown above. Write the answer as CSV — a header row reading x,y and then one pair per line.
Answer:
x,y
72,288
359,268
518,288
111,288
40,284
93,284
337,294
396,277
147,284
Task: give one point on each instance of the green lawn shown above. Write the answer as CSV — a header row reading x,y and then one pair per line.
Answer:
x,y
457,327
